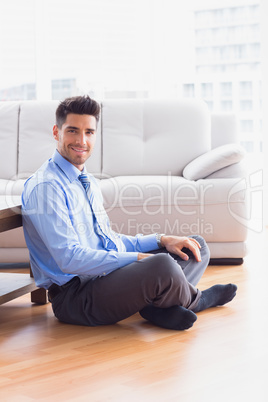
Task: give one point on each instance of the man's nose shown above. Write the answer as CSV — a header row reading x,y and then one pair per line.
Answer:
x,y
82,138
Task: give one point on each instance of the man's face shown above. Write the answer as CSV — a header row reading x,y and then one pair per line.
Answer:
x,y
76,138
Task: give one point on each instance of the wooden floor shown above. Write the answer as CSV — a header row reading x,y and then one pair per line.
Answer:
x,y
224,357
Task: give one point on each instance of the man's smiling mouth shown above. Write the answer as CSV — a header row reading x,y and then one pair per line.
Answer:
x,y
79,150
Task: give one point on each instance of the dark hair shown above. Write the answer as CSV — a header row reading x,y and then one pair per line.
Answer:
x,y
77,105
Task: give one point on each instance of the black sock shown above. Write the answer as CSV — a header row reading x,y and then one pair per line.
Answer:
x,y
217,295
175,317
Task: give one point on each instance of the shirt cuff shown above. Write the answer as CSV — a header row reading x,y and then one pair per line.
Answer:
x,y
126,258
148,243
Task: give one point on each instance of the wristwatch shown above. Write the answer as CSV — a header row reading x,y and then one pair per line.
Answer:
x,y
158,239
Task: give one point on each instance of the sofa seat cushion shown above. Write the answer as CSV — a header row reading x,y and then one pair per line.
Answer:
x,y
212,208
144,191
11,187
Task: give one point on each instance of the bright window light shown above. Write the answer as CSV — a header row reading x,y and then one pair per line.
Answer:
x,y
51,49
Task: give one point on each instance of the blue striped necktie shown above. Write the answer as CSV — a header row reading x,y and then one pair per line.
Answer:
x,y
102,222
83,177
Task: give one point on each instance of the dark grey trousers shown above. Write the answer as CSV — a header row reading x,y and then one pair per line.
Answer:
x,y
162,280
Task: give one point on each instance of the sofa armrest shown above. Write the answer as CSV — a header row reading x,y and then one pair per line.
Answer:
x,y
213,161
237,170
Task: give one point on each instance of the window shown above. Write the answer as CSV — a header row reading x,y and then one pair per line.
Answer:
x,y
248,145
188,90
245,89
226,89
210,105
246,126
207,90
52,49
63,88
17,50
58,48
226,106
245,105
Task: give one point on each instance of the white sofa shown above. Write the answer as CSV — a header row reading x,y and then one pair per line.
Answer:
x,y
164,166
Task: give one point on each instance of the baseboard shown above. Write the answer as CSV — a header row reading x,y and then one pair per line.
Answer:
x,y
226,261
5,265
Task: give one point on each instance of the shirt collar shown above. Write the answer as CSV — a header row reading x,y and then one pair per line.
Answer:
x,y
67,167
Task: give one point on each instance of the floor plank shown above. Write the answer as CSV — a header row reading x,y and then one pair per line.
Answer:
x,y
223,357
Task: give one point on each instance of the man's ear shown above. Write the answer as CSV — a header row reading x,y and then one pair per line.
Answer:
x,y
56,132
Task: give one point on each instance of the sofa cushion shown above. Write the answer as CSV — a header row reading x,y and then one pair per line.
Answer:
x,y
153,137
239,169
214,160
174,205
11,187
9,115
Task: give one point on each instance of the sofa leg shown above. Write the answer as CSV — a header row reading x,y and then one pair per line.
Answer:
x,y
226,261
39,296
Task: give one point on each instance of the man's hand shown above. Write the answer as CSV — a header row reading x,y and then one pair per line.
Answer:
x,y
174,244
143,255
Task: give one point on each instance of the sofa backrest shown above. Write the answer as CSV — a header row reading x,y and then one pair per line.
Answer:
x,y
36,143
153,137
9,112
135,137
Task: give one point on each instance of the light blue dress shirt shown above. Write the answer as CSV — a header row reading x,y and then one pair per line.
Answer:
x,y
59,227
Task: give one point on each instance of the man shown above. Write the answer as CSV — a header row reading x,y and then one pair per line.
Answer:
x,y
95,276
